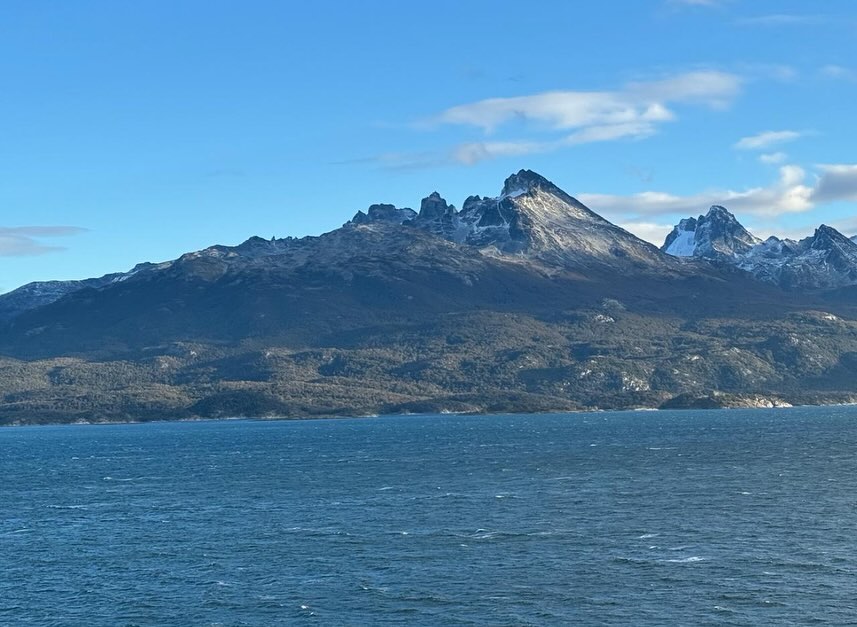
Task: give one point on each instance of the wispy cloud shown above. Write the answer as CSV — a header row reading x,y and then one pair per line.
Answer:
x,y
474,152
558,110
788,194
769,71
783,19
635,111
24,241
559,119
766,139
642,103
652,232
773,158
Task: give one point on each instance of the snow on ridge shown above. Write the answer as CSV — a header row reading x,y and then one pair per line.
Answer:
x,y
514,193
684,244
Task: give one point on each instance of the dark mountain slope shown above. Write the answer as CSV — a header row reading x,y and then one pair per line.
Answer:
x,y
525,302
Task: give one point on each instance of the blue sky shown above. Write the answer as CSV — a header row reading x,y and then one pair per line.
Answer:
x,y
138,131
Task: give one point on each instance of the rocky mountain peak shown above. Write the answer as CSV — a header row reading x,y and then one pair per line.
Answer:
x,y
524,181
533,219
826,237
825,259
439,217
719,212
470,202
720,233
715,235
434,207
384,213
687,224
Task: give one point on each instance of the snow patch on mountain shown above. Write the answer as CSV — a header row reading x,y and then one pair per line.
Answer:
x,y
683,244
530,220
715,235
827,259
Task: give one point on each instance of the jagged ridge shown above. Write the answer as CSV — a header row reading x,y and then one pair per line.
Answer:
x,y
532,219
826,259
715,235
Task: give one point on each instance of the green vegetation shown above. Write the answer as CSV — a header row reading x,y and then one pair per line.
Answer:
x,y
604,357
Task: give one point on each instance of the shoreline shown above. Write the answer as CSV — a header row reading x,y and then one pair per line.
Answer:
x,y
90,423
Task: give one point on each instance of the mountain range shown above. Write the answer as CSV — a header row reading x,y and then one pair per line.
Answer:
x,y
826,259
527,301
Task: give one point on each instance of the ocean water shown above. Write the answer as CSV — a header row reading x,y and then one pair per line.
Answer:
x,y
639,518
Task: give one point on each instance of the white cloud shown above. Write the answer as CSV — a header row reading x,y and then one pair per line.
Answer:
x,y
641,102
788,194
633,112
25,241
763,140
473,152
559,110
610,132
710,87
652,232
773,158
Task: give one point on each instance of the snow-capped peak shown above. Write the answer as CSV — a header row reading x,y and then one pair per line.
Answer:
x,y
681,242
825,259
826,236
522,182
715,235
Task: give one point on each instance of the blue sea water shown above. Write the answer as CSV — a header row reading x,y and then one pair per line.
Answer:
x,y
640,518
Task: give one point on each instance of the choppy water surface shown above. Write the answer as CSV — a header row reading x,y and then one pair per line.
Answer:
x,y
721,517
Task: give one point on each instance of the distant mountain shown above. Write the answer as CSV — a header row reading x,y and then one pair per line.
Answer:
x,y
384,213
532,219
33,295
715,235
524,301
40,293
825,260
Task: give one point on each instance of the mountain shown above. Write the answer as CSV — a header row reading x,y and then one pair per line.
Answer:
x,y
532,220
535,219
40,293
384,213
33,295
524,301
715,235
825,260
